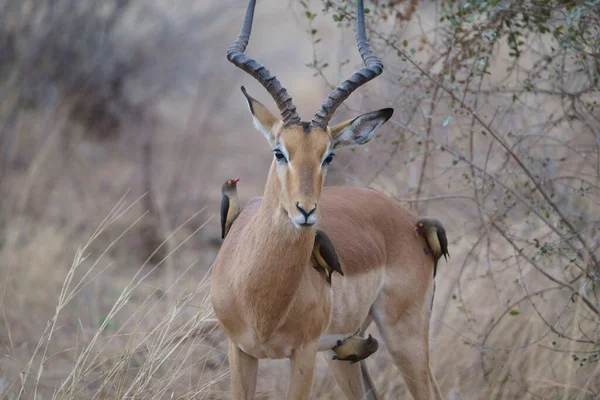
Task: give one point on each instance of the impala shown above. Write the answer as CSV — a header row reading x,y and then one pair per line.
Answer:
x,y
266,296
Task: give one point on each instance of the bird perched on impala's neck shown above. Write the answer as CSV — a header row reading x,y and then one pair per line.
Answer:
x,y
230,205
355,348
434,232
325,255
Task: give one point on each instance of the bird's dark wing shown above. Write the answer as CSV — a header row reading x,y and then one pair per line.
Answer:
x,y
441,234
328,253
354,358
224,209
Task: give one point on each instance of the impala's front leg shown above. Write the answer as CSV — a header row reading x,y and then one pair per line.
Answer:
x,y
302,368
243,369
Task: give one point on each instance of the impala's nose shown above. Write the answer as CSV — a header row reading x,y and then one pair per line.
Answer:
x,y
303,210
306,218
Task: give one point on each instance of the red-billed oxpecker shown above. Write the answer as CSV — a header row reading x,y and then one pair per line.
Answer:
x,y
230,205
434,232
355,348
325,256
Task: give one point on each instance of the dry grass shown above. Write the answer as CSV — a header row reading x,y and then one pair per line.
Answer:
x,y
106,334
88,313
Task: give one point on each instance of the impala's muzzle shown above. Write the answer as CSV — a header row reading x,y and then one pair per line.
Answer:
x,y
306,218
305,189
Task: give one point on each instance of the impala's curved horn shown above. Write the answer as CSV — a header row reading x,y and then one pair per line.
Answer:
x,y
236,55
373,68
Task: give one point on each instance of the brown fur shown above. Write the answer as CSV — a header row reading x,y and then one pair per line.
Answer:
x,y
273,304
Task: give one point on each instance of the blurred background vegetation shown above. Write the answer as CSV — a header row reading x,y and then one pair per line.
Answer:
x,y
120,119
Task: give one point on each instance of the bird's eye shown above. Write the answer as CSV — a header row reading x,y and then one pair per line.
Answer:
x,y
279,156
229,182
421,225
329,158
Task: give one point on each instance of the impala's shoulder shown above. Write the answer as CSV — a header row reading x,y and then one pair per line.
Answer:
x,y
253,205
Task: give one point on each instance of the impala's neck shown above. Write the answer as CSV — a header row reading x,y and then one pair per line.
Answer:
x,y
274,218
276,258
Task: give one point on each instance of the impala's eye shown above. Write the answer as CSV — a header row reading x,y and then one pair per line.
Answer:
x,y
279,156
329,158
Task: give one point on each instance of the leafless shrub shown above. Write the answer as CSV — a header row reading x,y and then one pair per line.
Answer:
x,y
71,49
497,120
103,66
106,61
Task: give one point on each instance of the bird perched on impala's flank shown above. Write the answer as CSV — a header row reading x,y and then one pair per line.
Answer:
x,y
230,205
355,348
436,238
325,255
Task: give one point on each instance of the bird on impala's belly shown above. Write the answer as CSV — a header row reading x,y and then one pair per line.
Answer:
x,y
230,205
355,348
325,256
434,232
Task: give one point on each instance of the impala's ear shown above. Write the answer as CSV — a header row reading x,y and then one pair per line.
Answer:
x,y
264,121
359,130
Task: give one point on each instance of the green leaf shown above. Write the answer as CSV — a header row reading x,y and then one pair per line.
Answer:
x,y
447,120
514,312
405,43
413,52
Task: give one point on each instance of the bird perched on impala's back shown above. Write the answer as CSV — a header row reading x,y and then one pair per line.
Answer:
x,y
325,255
355,348
230,205
436,238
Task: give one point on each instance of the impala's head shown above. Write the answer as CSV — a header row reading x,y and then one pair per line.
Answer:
x,y
302,151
